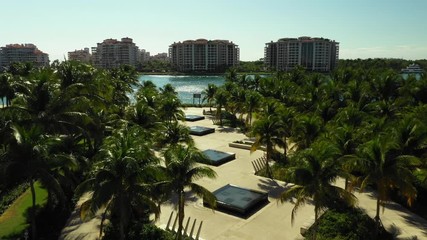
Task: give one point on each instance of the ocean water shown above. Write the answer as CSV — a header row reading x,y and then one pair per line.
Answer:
x,y
186,86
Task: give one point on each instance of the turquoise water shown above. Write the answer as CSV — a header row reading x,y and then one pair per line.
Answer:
x,y
186,86
416,75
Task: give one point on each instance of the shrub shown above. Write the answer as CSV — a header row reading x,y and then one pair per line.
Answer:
x,y
8,197
346,224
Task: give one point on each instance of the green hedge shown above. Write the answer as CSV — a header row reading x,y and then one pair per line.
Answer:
x,y
348,224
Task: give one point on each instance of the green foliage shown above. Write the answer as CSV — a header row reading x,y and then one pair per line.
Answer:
x,y
251,66
149,232
7,197
347,224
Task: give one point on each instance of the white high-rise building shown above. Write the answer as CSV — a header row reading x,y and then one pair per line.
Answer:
x,y
314,54
23,53
112,53
203,55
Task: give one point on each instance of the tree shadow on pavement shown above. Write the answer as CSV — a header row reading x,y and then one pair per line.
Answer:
x,y
274,188
226,129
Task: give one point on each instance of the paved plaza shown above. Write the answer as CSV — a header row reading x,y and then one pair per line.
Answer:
x,y
273,221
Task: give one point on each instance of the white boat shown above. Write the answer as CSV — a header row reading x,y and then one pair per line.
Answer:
x,y
413,68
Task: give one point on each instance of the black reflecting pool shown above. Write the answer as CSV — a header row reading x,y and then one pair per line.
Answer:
x,y
217,158
200,131
193,118
239,201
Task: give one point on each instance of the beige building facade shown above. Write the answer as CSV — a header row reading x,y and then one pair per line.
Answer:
x,y
23,53
313,54
203,55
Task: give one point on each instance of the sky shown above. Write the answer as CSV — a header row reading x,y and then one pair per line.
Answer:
x,y
363,28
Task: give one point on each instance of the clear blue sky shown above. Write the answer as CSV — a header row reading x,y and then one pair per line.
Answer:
x,y
364,28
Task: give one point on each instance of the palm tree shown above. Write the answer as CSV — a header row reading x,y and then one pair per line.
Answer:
x,y
221,98
174,133
143,115
123,80
252,104
231,75
313,177
411,136
148,93
168,89
181,171
119,184
267,131
29,157
307,128
170,108
10,87
209,94
286,116
381,165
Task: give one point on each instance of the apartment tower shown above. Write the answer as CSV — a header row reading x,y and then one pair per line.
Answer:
x,y
23,53
112,53
203,55
314,54
80,55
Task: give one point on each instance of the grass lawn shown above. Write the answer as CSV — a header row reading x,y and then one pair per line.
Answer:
x,y
13,220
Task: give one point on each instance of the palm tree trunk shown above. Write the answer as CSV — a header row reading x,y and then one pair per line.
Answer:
x,y
218,111
180,214
377,217
121,220
33,210
316,216
101,226
285,147
346,184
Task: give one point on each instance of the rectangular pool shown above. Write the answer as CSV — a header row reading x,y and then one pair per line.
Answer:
x,y
239,201
200,131
217,158
193,118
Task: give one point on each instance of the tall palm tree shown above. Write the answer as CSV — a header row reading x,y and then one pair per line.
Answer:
x,y
168,89
386,170
209,94
267,131
181,171
307,128
174,133
314,175
231,75
29,157
170,108
123,80
252,104
221,98
286,116
119,184
10,87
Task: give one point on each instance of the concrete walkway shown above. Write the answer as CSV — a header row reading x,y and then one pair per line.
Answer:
x,y
273,221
